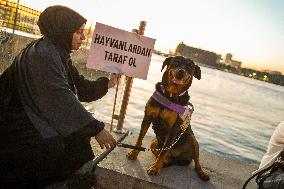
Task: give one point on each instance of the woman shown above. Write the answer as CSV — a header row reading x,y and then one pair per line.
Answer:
x,y
45,131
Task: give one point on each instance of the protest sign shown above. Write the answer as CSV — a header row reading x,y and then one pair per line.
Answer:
x,y
118,51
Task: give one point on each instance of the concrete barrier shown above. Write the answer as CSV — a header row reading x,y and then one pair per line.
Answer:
x,y
117,172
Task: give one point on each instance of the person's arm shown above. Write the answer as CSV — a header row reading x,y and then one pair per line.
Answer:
x,y
91,90
88,90
48,100
102,136
45,83
91,129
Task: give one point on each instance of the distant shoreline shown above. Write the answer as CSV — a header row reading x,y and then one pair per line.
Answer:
x,y
274,78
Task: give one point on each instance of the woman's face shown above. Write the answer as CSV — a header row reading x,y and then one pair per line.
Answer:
x,y
78,37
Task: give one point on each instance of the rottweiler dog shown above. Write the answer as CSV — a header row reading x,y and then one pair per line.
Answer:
x,y
175,142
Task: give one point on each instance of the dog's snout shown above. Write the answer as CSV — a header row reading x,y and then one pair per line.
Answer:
x,y
180,73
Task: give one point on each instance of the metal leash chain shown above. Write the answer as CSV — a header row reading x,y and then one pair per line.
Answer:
x,y
169,147
184,126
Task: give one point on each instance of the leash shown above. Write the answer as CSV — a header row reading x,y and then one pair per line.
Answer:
x,y
184,126
124,145
131,147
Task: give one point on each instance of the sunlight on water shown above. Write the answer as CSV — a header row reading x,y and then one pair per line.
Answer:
x,y
234,116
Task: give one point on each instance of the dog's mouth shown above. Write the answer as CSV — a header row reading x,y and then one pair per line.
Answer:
x,y
178,78
178,81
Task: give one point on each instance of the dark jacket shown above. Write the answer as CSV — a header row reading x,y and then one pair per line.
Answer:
x,y
43,86
44,129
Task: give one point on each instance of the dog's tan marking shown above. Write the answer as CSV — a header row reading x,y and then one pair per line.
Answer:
x,y
152,111
169,116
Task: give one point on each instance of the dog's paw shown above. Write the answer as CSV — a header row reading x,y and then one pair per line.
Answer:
x,y
132,154
204,176
154,170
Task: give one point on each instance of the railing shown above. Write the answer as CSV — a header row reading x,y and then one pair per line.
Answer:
x,y
18,17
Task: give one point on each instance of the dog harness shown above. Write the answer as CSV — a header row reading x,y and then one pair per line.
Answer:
x,y
183,111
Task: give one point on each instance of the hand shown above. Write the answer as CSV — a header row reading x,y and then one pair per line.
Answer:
x,y
105,139
113,80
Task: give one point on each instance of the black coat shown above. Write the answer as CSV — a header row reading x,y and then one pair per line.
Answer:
x,y
41,117
43,84
44,129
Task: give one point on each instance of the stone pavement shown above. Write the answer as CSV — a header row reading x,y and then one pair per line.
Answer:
x,y
117,172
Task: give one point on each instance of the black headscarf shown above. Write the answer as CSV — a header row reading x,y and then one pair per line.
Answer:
x,y
59,23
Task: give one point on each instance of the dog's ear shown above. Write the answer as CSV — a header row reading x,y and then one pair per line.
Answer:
x,y
166,62
197,72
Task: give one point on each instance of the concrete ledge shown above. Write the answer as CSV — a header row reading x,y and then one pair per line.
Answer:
x,y
117,172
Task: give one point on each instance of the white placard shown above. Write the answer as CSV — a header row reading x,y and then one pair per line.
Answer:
x,y
118,51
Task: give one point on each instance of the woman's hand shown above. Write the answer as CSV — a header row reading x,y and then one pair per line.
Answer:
x,y
105,139
113,80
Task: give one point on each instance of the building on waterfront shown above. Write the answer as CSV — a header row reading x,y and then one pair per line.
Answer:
x,y
230,62
198,55
275,73
160,53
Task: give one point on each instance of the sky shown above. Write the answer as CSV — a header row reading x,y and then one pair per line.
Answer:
x,y
251,30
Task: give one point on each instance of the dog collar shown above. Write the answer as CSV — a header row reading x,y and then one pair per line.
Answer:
x,y
183,111
164,91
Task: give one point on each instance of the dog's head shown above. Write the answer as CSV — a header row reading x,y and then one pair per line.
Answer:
x,y
179,74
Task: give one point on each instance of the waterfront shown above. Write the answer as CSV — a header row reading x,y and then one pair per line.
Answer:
x,y
234,116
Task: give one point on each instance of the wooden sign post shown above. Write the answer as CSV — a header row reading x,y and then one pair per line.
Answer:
x,y
119,127
126,53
